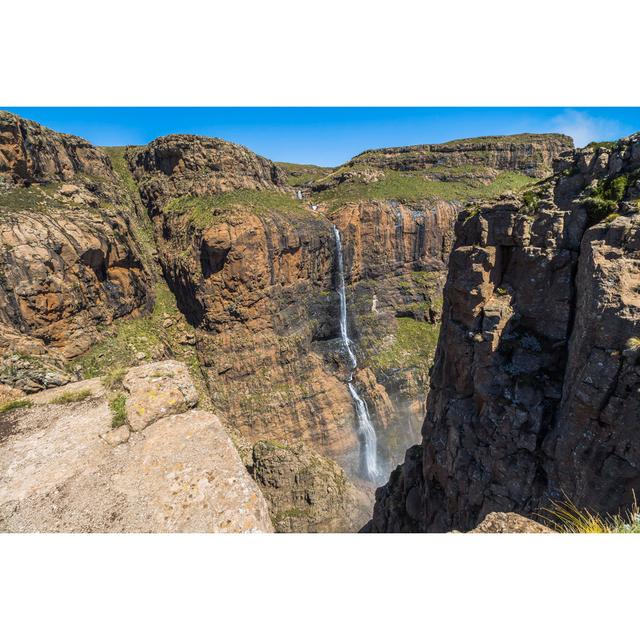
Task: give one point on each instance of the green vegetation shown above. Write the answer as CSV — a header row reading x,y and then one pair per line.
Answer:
x,y
113,379
605,197
143,228
204,211
121,167
531,200
131,337
118,410
36,197
72,396
412,186
20,403
566,517
301,174
412,347
119,350
607,145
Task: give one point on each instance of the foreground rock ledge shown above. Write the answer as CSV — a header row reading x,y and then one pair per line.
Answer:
x,y
180,474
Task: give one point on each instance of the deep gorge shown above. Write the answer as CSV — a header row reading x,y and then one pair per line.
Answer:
x,y
261,277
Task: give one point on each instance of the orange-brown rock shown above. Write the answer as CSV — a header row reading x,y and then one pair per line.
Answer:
x,y
70,262
32,153
177,165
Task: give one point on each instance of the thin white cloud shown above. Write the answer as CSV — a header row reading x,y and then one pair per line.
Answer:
x,y
585,128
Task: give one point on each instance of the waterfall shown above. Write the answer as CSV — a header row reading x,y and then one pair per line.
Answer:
x,y
366,430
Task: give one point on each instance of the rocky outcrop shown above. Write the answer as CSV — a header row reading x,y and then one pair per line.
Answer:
x,y
71,262
31,153
528,153
498,522
68,466
178,165
535,390
306,492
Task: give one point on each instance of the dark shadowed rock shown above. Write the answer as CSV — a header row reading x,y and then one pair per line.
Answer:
x,y
536,387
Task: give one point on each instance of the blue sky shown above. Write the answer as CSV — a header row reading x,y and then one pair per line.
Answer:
x,y
329,136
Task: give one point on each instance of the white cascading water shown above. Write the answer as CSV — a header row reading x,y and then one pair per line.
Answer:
x,y
365,426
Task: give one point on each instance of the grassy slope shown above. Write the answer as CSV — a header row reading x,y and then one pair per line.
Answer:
x,y
204,211
412,187
301,174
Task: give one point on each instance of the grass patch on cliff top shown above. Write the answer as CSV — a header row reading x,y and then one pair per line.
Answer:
x,y
20,403
70,397
204,211
566,517
412,186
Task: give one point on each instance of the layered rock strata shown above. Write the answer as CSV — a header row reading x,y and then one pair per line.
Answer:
x,y
536,387
70,259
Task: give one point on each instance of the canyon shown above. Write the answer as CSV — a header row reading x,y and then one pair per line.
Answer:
x,y
306,304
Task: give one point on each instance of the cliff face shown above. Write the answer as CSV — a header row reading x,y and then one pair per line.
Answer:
x,y
254,271
534,393
71,260
528,153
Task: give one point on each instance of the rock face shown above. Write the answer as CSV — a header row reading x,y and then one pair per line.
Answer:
x,y
254,270
306,492
497,522
31,153
176,165
529,153
536,387
65,469
70,260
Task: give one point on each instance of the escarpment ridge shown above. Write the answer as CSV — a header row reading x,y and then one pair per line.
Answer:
x,y
535,390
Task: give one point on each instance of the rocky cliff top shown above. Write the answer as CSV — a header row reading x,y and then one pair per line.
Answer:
x,y
85,458
31,153
529,153
189,165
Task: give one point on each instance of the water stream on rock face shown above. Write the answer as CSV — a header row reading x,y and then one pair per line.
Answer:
x,y
365,427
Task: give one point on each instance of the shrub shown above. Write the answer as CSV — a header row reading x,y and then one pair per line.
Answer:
x,y
72,396
20,403
113,378
531,200
118,410
566,517
599,208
